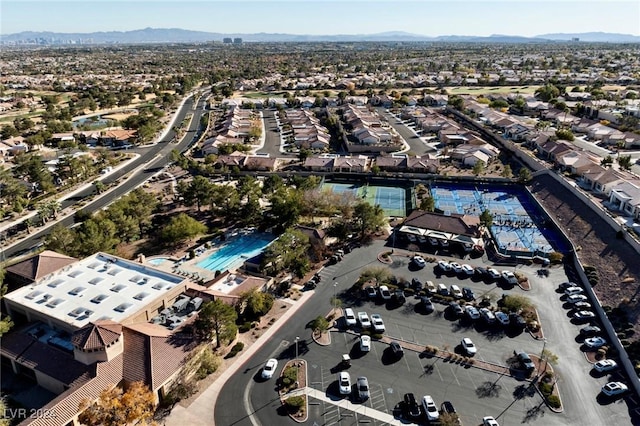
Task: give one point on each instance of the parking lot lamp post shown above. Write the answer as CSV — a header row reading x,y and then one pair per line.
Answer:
x,y
544,344
335,295
296,360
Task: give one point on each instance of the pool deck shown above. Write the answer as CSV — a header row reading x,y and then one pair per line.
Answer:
x,y
188,268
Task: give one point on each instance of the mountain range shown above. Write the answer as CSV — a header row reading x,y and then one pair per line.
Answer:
x,y
177,35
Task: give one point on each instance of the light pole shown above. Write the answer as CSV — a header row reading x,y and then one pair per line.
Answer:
x,y
544,344
296,361
335,294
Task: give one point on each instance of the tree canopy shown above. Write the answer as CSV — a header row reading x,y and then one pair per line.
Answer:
x,y
118,407
181,228
216,319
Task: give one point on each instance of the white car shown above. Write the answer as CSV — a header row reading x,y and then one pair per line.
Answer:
x,y
574,298
363,319
430,408
487,315
605,365
573,290
378,324
502,317
472,312
493,273
595,342
456,267
509,277
384,292
467,269
455,291
468,347
365,343
614,388
444,265
344,383
269,368
350,317
419,261
489,421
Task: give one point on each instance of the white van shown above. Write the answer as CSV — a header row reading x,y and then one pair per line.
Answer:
x,y
443,290
349,317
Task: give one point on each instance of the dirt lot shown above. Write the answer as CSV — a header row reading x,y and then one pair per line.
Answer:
x,y
615,260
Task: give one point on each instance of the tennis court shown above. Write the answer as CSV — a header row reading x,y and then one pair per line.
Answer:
x,y
518,229
391,199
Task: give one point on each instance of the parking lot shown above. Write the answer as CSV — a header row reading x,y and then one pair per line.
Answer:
x,y
474,392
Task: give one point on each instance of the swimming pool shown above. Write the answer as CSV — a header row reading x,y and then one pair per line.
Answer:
x,y
157,261
236,251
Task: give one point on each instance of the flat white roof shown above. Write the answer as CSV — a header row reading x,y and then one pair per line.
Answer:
x,y
98,287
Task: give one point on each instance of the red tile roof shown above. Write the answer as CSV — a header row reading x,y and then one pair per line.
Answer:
x,y
96,336
40,265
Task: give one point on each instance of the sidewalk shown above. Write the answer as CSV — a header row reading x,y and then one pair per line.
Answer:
x,y
201,411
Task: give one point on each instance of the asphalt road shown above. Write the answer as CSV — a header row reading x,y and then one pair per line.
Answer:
x,y
272,136
416,144
154,158
474,392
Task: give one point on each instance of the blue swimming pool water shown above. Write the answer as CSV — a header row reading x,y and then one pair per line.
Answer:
x,y
158,261
235,251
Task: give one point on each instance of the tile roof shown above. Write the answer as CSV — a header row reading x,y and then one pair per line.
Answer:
x,y
456,224
40,265
98,335
154,359
45,359
65,406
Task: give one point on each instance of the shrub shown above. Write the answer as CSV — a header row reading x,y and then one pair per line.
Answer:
x,y
246,326
545,388
289,376
554,401
235,349
294,403
376,336
209,363
555,257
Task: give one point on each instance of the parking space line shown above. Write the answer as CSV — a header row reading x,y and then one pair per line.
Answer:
x,y
435,367
471,379
455,376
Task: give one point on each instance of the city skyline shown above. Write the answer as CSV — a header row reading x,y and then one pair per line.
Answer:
x,y
330,17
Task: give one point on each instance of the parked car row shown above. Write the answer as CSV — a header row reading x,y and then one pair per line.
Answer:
x,y
574,296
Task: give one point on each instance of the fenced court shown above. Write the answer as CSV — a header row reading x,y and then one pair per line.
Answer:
x,y
391,199
518,228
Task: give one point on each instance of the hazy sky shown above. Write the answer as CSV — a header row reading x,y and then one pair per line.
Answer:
x,y
424,17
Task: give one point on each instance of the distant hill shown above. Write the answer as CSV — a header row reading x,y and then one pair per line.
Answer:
x,y
593,37
177,35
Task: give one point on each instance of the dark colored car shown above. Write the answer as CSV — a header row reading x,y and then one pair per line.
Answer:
x,y
447,407
398,297
525,361
468,294
417,285
371,292
396,349
516,321
427,304
456,309
411,406
565,285
590,331
480,272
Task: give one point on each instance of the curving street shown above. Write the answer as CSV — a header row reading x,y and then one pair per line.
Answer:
x,y
129,176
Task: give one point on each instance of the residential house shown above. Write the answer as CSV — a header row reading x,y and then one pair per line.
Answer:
x,y
625,197
351,164
319,164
